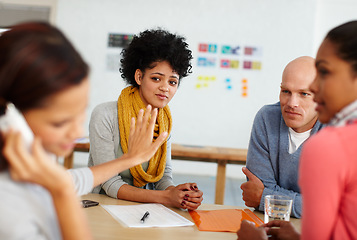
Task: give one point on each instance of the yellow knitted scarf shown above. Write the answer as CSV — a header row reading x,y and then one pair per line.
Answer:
x,y
129,104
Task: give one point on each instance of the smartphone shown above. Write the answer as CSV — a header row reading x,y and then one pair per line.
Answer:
x,y
13,119
89,203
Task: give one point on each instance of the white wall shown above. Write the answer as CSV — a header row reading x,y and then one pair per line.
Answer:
x,y
208,117
331,13
284,30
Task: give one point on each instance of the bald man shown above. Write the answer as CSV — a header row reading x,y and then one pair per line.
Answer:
x,y
278,132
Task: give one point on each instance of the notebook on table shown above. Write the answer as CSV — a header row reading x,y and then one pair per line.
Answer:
x,y
223,220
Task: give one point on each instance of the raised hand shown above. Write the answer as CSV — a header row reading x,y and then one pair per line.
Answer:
x,y
252,190
141,145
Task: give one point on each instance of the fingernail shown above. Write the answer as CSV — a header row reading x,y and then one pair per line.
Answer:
x,y
185,198
192,188
186,195
196,187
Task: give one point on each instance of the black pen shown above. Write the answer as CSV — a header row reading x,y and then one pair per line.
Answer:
x,y
146,215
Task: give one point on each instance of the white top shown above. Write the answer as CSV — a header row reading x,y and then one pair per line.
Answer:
x,y
296,139
27,210
345,116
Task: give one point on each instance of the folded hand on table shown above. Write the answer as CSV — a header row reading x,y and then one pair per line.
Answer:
x,y
186,196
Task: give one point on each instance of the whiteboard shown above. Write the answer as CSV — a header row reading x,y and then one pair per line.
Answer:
x,y
213,114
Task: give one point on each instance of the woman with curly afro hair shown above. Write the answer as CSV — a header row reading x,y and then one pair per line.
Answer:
x,y
152,65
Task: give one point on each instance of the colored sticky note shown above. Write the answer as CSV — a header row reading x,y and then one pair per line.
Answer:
x,y
226,49
235,50
234,64
211,62
225,63
248,50
212,48
203,47
247,65
201,61
256,65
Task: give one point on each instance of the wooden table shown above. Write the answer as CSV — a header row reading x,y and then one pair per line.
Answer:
x,y
105,227
220,155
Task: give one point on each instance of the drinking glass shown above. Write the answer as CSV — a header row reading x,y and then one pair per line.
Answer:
x,y
277,207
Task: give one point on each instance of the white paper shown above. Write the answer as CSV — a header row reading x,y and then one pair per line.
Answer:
x,y
160,216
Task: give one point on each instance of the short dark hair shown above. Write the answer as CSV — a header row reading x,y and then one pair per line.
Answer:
x,y
344,37
151,46
36,61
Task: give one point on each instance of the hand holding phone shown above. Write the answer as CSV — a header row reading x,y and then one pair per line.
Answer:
x,y
37,166
13,119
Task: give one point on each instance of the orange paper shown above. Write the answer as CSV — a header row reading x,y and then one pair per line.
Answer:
x,y
224,220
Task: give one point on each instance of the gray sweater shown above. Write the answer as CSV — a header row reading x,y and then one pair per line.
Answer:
x,y
105,146
269,158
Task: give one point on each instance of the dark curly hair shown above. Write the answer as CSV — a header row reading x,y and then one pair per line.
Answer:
x,y
151,46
